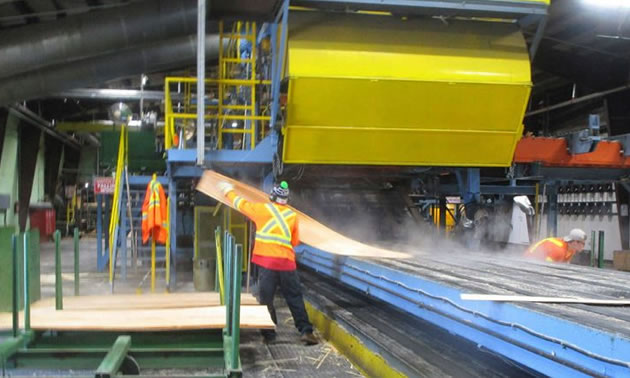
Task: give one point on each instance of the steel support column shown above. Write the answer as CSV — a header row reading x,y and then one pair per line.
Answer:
x,y
469,182
277,60
172,194
108,209
552,209
540,31
54,150
27,151
442,220
623,204
201,78
99,233
4,115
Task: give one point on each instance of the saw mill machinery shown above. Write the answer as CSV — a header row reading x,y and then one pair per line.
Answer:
x,y
380,110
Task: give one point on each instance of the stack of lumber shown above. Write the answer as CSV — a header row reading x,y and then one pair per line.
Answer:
x,y
152,312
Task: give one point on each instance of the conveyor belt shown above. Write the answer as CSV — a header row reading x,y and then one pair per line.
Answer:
x,y
500,275
411,345
553,339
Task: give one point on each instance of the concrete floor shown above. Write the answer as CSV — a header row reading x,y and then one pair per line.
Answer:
x,y
97,283
286,357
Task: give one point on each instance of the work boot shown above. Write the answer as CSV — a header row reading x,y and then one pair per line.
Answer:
x,y
309,339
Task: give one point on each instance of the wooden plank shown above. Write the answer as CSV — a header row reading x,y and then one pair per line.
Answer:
x,y
312,232
171,319
145,301
527,298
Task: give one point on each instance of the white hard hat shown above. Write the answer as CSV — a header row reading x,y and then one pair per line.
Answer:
x,y
575,235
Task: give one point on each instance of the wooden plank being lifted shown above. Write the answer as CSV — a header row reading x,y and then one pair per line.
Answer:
x,y
311,232
171,319
527,298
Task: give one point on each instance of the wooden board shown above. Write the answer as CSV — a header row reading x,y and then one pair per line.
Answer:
x,y
144,301
527,298
170,319
312,232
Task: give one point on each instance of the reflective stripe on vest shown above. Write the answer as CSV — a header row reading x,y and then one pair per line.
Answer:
x,y
237,202
278,221
555,241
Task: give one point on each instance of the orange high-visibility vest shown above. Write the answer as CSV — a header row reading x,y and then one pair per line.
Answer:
x,y
551,249
154,214
276,232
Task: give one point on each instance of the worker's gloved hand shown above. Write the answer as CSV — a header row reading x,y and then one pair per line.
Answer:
x,y
225,187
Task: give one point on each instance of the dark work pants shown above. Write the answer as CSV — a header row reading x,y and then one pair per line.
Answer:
x,y
289,282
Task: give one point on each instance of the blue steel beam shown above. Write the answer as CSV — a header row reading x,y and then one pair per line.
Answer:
x,y
172,194
262,154
144,180
100,263
454,190
545,343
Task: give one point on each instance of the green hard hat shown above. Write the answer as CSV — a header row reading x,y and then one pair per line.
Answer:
x,y
284,185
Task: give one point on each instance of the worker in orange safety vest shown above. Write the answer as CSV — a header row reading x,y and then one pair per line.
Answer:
x,y
558,249
154,222
276,235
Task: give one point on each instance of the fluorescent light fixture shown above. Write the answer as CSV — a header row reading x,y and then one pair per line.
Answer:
x,y
609,3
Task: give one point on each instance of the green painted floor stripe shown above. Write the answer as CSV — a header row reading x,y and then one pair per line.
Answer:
x,y
365,360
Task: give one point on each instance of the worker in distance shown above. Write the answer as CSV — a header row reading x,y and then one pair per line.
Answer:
x,y
558,249
273,254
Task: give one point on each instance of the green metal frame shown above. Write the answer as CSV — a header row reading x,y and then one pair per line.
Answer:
x,y
114,358
107,352
58,278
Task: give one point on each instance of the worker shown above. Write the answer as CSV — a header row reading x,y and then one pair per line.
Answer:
x,y
273,254
558,249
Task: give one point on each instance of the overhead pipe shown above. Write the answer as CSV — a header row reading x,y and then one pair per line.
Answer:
x,y
201,78
111,94
96,33
574,101
33,119
165,55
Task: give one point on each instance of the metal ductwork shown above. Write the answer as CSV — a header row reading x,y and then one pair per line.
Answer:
x,y
95,33
164,55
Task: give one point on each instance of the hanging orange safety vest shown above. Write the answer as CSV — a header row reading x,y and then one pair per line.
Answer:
x,y
154,222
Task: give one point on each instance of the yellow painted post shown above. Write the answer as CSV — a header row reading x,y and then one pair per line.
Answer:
x,y
167,113
153,262
217,240
220,104
245,243
253,86
115,210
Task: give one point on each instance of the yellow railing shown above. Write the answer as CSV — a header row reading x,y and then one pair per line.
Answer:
x,y
231,65
115,214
